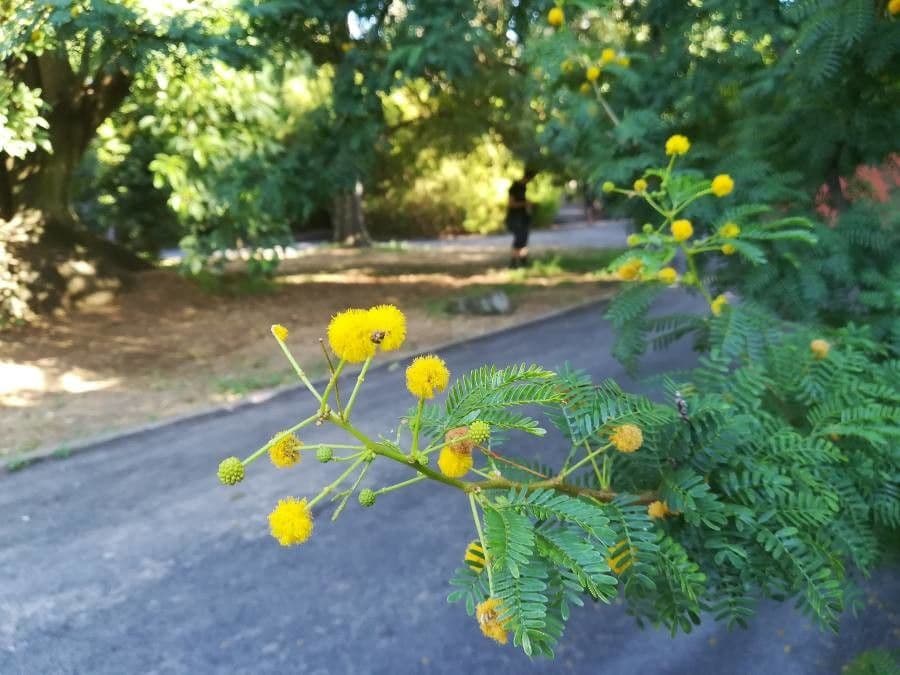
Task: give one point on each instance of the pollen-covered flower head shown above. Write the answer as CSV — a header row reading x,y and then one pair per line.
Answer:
x,y
894,7
556,17
682,229
677,145
667,275
658,509
427,376
718,304
730,230
728,249
285,450
592,74
454,464
280,332
630,270
620,557
388,326
820,348
291,522
488,614
350,335
608,55
585,88
640,185
474,557
722,185
627,438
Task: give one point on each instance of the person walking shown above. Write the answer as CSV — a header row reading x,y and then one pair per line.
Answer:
x,y
518,219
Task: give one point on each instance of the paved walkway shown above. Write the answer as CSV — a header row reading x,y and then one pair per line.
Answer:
x,y
130,559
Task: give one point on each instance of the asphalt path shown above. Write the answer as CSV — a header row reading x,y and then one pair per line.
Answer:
x,y
130,558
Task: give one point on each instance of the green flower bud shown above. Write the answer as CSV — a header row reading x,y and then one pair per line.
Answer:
x,y
479,431
647,228
633,240
609,186
231,471
367,497
324,454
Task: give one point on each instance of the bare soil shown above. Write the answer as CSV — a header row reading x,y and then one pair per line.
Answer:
x,y
168,347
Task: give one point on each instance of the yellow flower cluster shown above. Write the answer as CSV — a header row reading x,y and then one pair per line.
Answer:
x,y
894,7
820,348
488,615
474,557
455,459
630,270
621,561
627,438
592,74
667,275
291,521
682,229
677,145
285,450
658,509
722,185
356,334
640,185
718,304
280,332
427,376
730,230
556,17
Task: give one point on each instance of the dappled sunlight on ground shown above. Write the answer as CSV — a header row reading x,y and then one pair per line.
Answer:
x,y
168,347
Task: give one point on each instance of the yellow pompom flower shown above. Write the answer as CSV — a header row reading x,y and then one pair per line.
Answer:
x,y
677,145
682,229
627,438
388,326
427,376
730,230
592,74
658,509
291,522
474,557
608,55
488,615
820,348
894,7
718,304
285,450
454,464
728,249
280,332
350,335
556,17
630,270
722,185
667,275
640,185
621,561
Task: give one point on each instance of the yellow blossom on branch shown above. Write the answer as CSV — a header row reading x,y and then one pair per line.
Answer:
x,y
730,230
640,185
285,450
556,17
608,55
388,326
592,74
820,348
667,275
718,304
291,522
454,464
488,615
350,335
280,332
682,229
427,376
630,270
627,438
658,509
722,185
677,145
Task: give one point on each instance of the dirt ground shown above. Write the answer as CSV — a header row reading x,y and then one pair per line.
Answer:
x,y
169,347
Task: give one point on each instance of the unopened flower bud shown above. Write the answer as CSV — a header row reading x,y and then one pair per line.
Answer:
x,y
324,454
231,471
367,497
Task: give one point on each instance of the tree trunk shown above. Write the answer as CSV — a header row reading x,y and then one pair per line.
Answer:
x,y
47,259
347,218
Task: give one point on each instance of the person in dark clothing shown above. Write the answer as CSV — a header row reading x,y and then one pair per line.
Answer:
x,y
518,219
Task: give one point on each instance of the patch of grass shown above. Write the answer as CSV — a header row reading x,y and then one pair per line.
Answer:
x,y
62,452
234,285
240,385
582,262
17,464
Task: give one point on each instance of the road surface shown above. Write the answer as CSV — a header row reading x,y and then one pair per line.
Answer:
x,y
130,558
